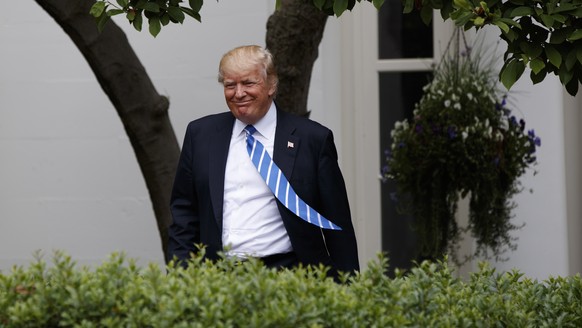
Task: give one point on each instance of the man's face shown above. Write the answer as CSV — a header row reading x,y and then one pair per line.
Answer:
x,y
247,93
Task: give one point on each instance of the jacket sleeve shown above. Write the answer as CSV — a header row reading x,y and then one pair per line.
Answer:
x,y
184,232
341,245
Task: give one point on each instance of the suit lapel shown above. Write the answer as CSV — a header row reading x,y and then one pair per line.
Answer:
x,y
286,144
218,153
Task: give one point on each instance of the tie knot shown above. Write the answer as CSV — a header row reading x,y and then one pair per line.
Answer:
x,y
250,129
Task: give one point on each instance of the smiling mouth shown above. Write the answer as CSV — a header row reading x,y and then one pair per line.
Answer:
x,y
243,103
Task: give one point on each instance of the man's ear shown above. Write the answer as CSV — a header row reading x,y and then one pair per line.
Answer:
x,y
273,89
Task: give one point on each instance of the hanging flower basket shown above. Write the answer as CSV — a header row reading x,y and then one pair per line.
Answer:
x,y
463,141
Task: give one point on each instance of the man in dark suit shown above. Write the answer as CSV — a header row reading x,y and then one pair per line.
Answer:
x,y
219,198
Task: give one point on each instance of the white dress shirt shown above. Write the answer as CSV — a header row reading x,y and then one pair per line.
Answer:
x,y
252,225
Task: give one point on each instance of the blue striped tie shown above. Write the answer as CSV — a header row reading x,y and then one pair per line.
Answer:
x,y
279,185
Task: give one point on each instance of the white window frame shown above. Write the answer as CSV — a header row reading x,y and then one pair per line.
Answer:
x,y
360,116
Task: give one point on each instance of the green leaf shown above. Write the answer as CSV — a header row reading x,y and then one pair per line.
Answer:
x,y
154,26
571,60
509,21
165,19
191,13
548,20
537,78
130,15
579,54
114,12
408,6
532,50
537,65
565,7
277,4
318,4
461,18
479,21
101,21
138,21
139,4
97,9
576,35
176,14
553,56
511,35
572,87
559,35
521,11
339,6
504,27
462,4
566,75
378,3
426,14
559,18
151,7
511,72
122,3
447,10
196,5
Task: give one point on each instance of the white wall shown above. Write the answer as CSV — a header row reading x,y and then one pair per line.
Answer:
x,y
542,243
68,177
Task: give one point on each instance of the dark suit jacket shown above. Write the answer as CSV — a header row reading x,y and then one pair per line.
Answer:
x,y
311,167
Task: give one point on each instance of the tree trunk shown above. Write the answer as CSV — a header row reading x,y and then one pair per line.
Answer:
x,y
294,33
142,110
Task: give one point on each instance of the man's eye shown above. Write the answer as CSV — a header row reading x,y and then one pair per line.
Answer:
x,y
229,86
249,83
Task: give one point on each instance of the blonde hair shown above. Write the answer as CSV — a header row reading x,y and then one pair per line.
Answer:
x,y
243,57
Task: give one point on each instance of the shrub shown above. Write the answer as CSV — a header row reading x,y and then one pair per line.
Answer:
x,y
118,293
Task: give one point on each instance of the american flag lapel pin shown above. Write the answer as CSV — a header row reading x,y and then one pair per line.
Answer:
x,y
290,144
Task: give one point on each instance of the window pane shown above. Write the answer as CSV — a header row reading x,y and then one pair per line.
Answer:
x,y
399,91
402,35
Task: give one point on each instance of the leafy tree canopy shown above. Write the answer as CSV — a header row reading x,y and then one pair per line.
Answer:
x,y
544,35
160,13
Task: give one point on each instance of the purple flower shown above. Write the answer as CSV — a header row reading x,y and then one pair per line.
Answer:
x,y
531,159
394,197
537,141
513,120
418,128
531,133
500,106
385,170
496,161
452,132
401,144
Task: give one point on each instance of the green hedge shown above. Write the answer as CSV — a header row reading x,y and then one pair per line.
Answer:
x,y
118,293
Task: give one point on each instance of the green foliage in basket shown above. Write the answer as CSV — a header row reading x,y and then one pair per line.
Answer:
x,y
463,141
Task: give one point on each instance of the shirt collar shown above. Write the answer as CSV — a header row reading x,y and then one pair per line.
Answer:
x,y
265,126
